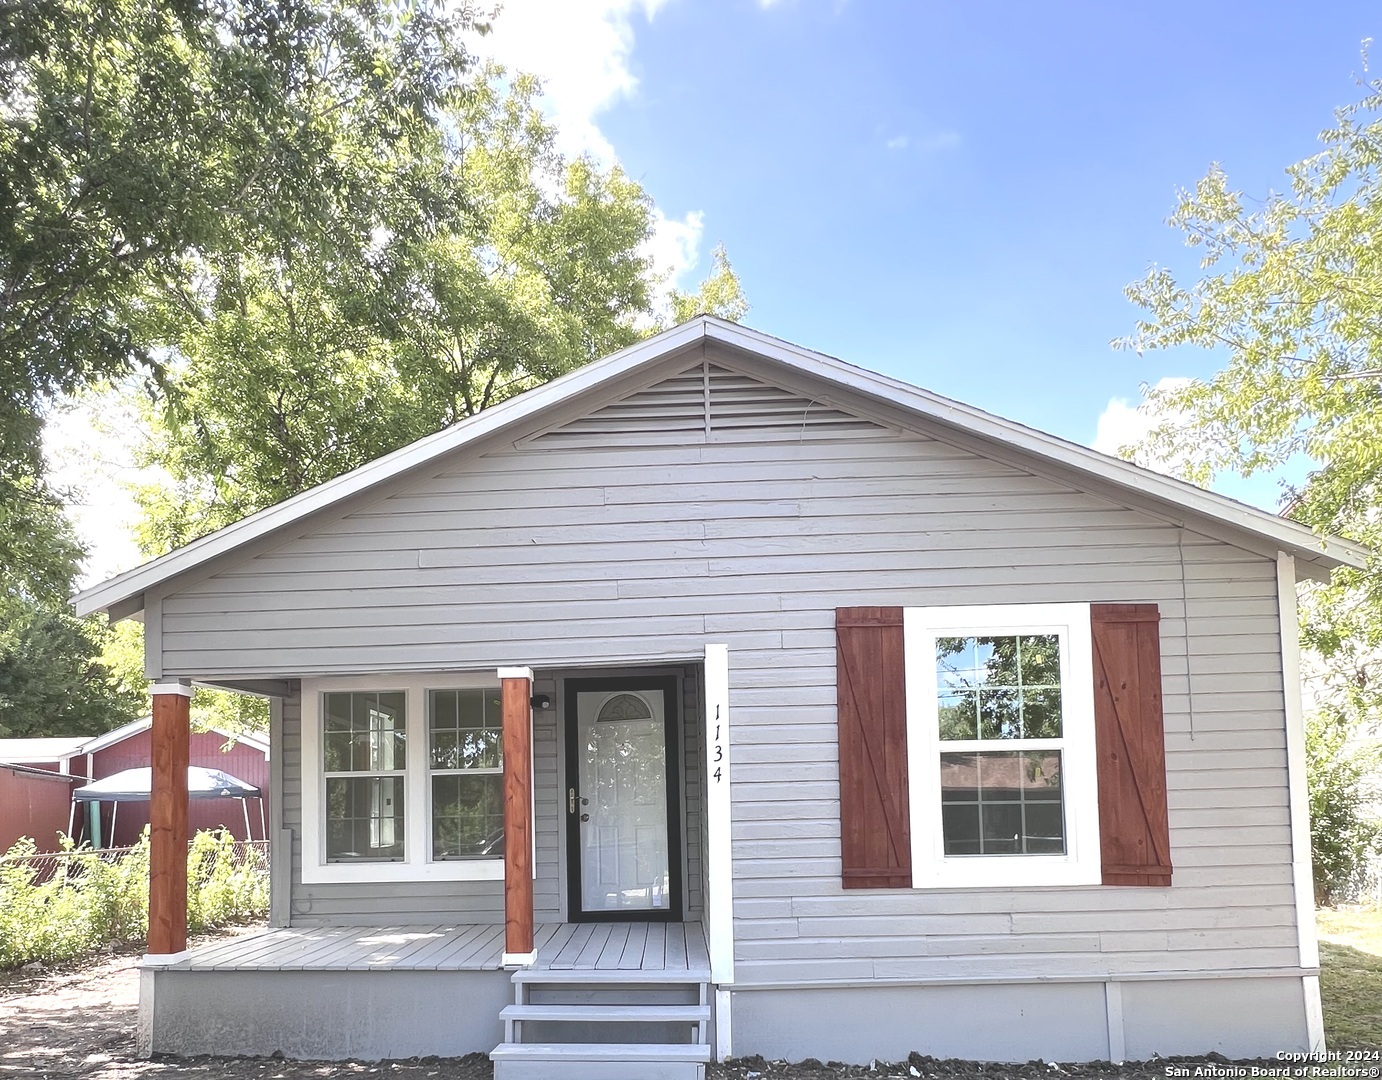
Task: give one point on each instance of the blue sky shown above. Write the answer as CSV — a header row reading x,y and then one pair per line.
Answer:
x,y
953,194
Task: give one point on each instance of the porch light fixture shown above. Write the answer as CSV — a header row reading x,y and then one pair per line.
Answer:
x,y
541,701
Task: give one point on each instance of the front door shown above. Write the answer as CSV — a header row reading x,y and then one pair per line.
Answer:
x,y
623,833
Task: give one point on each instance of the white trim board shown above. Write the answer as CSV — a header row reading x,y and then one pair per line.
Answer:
x,y
123,595
719,886
1302,873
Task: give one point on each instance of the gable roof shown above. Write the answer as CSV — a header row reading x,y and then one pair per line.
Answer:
x,y
144,723
59,748
122,595
46,748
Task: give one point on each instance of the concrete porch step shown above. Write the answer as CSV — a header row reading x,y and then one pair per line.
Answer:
x,y
599,1061
690,1014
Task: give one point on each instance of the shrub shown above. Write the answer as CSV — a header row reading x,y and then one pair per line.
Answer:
x,y
66,905
1345,833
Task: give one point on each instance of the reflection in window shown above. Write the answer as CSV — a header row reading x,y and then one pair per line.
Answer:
x,y
1004,803
1003,691
364,749
999,687
466,738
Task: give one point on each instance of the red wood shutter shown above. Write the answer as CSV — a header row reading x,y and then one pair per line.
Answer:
x,y
875,833
1135,836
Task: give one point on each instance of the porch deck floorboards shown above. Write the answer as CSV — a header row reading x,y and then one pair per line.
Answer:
x,y
674,948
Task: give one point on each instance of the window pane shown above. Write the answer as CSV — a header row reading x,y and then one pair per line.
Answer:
x,y
998,660
364,818
958,716
1041,715
955,663
1040,660
365,732
999,714
467,816
466,729
1002,803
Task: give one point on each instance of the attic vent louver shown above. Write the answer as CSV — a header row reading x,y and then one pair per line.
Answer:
x,y
709,403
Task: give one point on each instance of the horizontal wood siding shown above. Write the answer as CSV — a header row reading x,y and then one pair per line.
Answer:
x,y
598,551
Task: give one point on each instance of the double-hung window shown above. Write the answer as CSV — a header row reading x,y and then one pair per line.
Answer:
x,y
365,764
402,779
1000,735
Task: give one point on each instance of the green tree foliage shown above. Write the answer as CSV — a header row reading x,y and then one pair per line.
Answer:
x,y
1290,297
720,294
309,361
140,139
53,680
144,144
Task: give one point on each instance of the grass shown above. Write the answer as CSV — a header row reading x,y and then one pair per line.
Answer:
x,y
1351,976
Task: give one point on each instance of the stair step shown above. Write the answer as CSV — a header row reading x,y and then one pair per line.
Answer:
x,y
599,1061
602,1051
690,1014
593,976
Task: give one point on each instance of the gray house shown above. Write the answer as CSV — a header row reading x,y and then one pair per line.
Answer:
x,y
722,698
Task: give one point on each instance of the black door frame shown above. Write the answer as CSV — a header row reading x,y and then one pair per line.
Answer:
x,y
672,734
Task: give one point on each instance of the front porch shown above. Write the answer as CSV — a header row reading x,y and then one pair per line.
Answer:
x,y
677,949
368,993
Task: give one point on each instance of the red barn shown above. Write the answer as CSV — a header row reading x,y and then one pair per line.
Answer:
x,y
245,757
34,802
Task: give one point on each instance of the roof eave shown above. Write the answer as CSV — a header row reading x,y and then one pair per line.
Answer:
x,y
116,595
1293,538
122,595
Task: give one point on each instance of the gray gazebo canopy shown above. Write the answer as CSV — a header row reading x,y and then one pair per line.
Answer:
x,y
134,785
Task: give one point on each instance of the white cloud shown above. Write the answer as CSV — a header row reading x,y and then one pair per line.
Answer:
x,y
1124,424
674,245
581,51
897,142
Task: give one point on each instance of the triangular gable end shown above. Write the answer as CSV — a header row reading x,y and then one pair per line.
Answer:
x,y
708,403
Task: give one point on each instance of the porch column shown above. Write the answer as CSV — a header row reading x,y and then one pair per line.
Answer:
x,y
168,819
517,709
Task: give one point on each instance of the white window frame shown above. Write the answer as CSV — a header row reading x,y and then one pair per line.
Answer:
x,y
931,867
417,863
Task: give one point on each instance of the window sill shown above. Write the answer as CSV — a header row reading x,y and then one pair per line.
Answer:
x,y
452,870
1006,872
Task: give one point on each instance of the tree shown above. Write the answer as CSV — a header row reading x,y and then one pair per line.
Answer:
x,y
1291,299
142,141
306,364
720,294
52,678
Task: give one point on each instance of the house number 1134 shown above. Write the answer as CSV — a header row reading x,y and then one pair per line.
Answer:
x,y
717,750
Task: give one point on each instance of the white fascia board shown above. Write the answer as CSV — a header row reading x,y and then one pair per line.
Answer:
x,y
134,582
1296,538
117,735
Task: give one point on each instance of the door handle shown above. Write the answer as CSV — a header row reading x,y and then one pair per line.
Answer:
x,y
570,800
